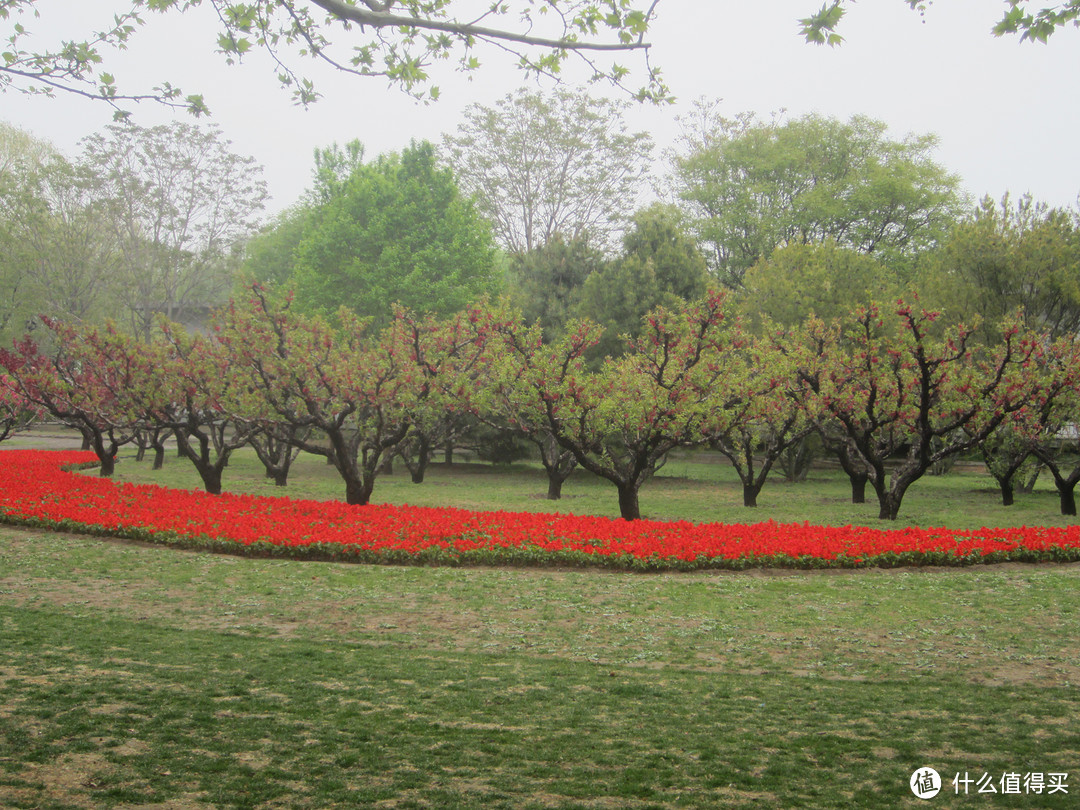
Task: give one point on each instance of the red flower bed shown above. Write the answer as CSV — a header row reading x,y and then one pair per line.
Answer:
x,y
35,490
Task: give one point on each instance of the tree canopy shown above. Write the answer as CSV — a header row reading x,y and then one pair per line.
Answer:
x,y
750,186
544,164
180,203
1016,255
398,230
659,266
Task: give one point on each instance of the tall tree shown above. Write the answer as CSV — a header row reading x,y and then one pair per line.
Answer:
x,y
74,252
397,231
545,283
660,266
546,164
1014,256
750,186
394,39
22,158
181,203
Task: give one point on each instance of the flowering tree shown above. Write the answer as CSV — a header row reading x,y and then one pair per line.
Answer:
x,y
506,400
755,411
207,406
621,421
936,397
1047,426
84,382
16,413
447,360
355,393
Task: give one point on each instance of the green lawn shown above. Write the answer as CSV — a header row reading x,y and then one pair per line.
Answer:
x,y
138,676
134,676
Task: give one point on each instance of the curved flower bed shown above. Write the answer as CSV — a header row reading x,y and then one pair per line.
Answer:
x,y
36,490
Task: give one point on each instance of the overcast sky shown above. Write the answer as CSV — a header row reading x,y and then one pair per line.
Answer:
x,y
1007,113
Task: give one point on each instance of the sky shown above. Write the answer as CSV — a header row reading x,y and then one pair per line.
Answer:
x,y
1007,113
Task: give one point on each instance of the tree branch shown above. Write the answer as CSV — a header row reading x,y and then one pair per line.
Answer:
x,y
380,19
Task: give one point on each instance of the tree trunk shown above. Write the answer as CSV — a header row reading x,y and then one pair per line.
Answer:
x,y
881,490
357,492
888,510
856,472
418,466
1028,481
448,457
106,455
211,477
1067,496
1006,487
555,483
890,498
858,487
749,494
159,456
281,477
628,502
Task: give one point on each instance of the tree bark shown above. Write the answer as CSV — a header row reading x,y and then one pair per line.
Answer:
x,y
858,487
357,491
628,502
1006,487
749,494
555,482
1067,496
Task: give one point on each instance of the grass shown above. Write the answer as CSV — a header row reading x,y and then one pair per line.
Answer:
x,y
135,676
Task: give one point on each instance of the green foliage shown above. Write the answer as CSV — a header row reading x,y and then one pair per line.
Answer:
x,y
1015,256
750,186
181,204
397,231
1032,26
398,42
270,256
825,280
660,266
657,236
545,283
57,246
